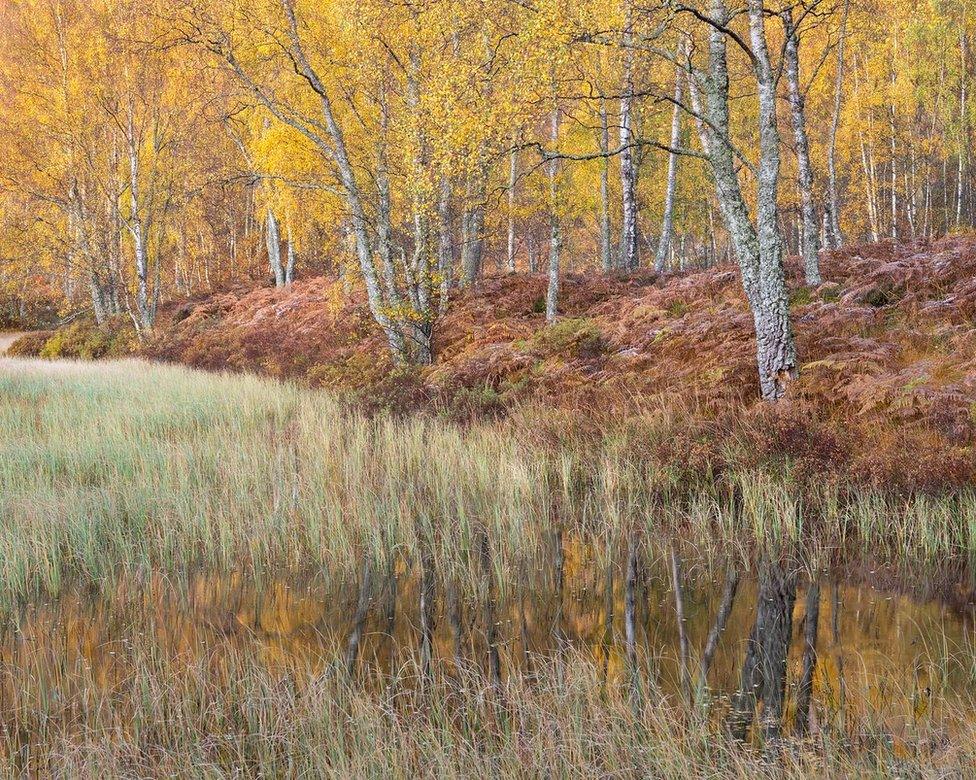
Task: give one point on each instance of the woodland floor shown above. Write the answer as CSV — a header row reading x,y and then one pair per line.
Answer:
x,y
886,395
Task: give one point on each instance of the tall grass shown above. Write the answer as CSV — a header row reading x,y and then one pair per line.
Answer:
x,y
120,464
126,465
196,718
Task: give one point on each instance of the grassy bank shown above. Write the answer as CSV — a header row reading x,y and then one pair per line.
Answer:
x,y
119,464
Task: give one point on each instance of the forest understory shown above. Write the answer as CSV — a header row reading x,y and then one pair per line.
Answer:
x,y
886,396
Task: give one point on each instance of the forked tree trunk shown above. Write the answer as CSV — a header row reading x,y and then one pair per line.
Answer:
x,y
758,248
726,603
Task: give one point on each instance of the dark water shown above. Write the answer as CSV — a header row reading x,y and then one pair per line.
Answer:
x,y
882,655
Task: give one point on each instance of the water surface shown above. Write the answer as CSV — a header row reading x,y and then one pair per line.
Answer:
x,y
900,662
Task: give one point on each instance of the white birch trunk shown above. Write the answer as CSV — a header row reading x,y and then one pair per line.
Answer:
x,y
629,257
512,174
667,223
555,228
963,135
445,250
606,242
290,267
810,248
758,248
137,230
272,237
836,237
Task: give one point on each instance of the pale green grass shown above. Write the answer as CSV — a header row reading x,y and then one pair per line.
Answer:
x,y
120,464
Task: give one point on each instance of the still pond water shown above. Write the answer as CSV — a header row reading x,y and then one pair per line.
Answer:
x,y
904,662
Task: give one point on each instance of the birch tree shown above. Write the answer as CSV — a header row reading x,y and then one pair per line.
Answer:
x,y
810,244
756,237
629,257
667,223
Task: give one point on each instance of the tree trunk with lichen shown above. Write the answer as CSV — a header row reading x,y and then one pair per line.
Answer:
x,y
758,246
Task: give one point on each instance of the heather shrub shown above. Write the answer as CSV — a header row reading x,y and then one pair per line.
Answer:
x,y
570,337
471,403
84,340
30,344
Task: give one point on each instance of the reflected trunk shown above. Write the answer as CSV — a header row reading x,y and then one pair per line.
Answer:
x,y
763,677
679,609
630,613
491,624
428,593
718,627
359,620
805,690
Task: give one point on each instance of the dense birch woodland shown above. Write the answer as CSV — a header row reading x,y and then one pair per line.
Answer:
x,y
158,150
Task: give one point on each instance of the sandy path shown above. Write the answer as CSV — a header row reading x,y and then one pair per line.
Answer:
x,y
6,339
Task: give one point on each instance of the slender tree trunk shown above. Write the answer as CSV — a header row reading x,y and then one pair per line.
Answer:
x,y
290,267
491,625
273,237
835,608
555,228
869,196
630,614
97,298
894,168
963,134
138,230
427,614
679,609
667,224
629,257
512,174
472,230
532,247
608,610
606,242
810,248
445,251
836,237
359,620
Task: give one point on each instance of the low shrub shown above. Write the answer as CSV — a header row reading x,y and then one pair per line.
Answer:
x,y
574,337
85,340
30,344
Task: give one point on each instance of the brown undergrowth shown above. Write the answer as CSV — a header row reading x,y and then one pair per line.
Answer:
x,y
886,395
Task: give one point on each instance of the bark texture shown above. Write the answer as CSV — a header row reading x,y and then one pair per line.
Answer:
x,y
810,243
